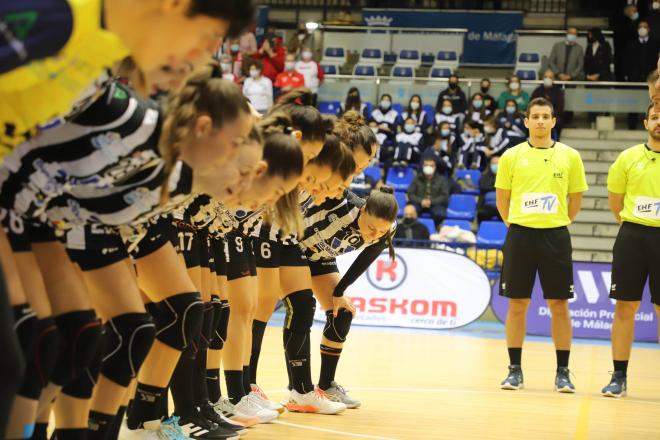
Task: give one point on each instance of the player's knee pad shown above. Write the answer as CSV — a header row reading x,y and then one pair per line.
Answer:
x,y
40,363
300,308
336,328
25,326
128,338
207,326
82,386
220,333
80,337
178,319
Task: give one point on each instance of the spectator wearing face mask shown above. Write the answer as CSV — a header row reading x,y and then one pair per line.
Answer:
x,y
409,144
289,79
624,25
232,47
478,111
447,113
227,68
454,94
597,58
489,101
514,92
271,54
497,141
429,192
442,150
353,102
417,113
512,121
311,70
555,94
258,88
486,208
387,118
567,58
640,60
471,147
409,228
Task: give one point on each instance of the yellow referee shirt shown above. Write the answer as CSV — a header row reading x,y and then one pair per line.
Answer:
x,y
540,180
636,173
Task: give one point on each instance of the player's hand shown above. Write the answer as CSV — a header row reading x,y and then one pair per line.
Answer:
x,y
342,302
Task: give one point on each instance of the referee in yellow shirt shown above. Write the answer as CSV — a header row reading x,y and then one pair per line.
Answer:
x,y
539,191
634,195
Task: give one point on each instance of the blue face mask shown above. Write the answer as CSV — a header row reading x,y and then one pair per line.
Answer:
x,y
235,47
409,128
510,109
571,38
493,168
446,110
477,104
445,132
385,105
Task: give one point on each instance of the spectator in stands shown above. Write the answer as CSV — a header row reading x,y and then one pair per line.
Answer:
x,y
387,144
442,149
302,38
489,101
653,18
409,228
514,92
227,68
233,48
417,113
471,147
454,94
640,60
258,88
486,209
409,144
497,141
289,79
387,118
624,25
362,184
512,121
311,70
247,44
271,54
447,113
429,192
353,102
567,58
478,111
553,93
597,58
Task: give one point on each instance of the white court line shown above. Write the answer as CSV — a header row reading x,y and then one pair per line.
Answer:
x,y
331,431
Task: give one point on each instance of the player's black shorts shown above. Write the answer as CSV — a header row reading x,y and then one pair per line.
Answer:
x,y
204,255
186,241
323,267
156,235
17,230
273,254
528,250
636,257
241,262
95,246
220,251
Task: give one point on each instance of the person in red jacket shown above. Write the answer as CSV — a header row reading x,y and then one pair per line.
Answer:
x,y
271,53
289,79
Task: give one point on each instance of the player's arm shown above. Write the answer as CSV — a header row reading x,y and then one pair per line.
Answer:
x,y
615,202
574,204
503,202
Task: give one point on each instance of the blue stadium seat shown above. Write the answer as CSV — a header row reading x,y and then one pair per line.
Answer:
x,y
329,107
389,58
428,222
526,74
409,54
475,176
490,198
403,71
329,69
461,207
374,172
463,224
334,52
370,107
427,58
440,72
529,57
446,55
360,70
401,199
400,178
430,112
371,56
491,233
397,107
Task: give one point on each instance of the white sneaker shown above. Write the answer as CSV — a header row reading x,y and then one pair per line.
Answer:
x,y
337,393
227,409
287,397
256,390
151,431
314,402
250,407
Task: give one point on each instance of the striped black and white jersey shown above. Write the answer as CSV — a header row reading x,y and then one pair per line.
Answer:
x,y
101,167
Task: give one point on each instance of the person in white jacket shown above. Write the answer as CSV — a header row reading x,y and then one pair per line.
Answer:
x,y
258,88
311,70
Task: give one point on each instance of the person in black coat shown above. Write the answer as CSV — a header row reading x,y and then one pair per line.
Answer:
x,y
487,210
597,57
454,94
624,24
640,59
410,228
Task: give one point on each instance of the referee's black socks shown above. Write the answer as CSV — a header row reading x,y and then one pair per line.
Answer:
x,y
621,366
562,358
515,355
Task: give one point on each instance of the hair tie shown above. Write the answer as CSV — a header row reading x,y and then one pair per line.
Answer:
x,y
386,190
288,130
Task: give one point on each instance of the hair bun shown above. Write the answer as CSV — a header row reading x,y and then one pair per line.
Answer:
x,y
387,189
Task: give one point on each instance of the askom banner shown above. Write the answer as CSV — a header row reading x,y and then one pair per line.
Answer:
x,y
490,40
592,311
421,288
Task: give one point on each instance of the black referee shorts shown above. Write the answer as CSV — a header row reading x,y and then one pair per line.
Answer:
x,y
95,246
241,262
272,254
323,267
528,250
636,257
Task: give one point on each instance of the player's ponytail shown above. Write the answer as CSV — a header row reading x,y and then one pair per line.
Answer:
x,y
382,204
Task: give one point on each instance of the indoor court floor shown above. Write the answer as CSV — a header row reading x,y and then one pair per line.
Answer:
x,y
445,385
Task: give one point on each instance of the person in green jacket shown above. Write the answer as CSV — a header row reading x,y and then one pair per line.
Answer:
x,y
514,92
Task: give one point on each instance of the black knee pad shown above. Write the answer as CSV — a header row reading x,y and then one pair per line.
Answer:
x,y
82,386
80,337
178,319
207,326
216,303
25,326
220,333
41,362
336,329
128,338
300,307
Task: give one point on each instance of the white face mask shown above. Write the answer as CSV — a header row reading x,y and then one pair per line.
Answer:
x,y
548,82
385,104
429,170
409,128
254,73
306,55
643,32
635,16
514,86
289,65
414,105
226,67
571,38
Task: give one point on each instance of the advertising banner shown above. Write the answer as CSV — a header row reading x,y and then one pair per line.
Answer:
x,y
422,288
491,36
591,309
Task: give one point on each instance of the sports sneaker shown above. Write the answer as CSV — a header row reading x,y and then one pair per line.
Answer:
x,y
209,414
563,382
197,427
172,429
287,397
249,406
618,385
337,393
314,402
151,431
514,381
227,409
256,390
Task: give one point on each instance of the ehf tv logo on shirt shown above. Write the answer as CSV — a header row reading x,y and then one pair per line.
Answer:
x,y
387,274
539,203
647,207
